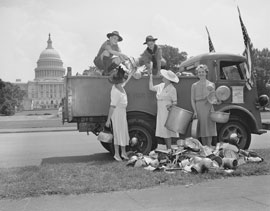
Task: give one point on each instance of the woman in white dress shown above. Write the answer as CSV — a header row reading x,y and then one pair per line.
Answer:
x,y
117,114
166,97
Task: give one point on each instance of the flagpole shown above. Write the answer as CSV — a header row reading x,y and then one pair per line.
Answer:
x,y
248,52
210,43
207,31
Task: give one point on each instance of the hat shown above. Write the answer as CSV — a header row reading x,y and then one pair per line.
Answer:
x,y
170,75
149,38
117,76
212,98
115,33
192,144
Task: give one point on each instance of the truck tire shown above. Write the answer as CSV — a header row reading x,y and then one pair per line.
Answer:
x,y
235,125
142,130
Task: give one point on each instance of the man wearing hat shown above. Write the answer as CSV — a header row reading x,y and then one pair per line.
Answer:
x,y
109,55
153,53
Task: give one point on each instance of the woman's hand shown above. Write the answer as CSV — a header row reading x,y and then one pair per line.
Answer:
x,y
108,123
218,102
169,107
195,115
125,57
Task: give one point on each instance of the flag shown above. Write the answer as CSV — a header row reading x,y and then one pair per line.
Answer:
x,y
247,52
211,46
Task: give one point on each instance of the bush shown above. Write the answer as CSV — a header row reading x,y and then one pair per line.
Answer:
x,y
7,108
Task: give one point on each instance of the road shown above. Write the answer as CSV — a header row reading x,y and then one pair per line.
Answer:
x,y
265,116
24,149
21,149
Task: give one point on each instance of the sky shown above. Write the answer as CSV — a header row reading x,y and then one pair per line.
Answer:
x,y
79,27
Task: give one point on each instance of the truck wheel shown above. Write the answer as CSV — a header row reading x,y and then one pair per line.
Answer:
x,y
235,125
143,133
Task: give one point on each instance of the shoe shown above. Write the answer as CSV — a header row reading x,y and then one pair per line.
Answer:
x,y
117,158
125,157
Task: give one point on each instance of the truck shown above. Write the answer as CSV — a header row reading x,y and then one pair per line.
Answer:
x,y
87,101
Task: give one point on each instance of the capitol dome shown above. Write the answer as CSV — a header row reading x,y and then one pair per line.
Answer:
x,y
49,64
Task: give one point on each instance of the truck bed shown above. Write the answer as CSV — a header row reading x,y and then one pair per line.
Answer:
x,y
89,96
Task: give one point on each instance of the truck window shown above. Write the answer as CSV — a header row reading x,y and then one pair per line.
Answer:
x,y
188,71
231,71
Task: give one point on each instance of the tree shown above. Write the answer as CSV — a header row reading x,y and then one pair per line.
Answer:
x,y
173,57
261,60
11,96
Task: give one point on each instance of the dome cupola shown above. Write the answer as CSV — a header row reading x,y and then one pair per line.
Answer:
x,y
49,64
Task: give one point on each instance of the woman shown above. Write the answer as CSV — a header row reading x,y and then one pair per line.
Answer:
x,y
109,55
166,97
117,113
201,106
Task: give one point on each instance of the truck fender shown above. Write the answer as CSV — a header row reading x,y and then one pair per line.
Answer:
x,y
254,125
141,113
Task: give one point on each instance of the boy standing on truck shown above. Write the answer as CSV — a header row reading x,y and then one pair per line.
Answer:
x,y
153,53
109,55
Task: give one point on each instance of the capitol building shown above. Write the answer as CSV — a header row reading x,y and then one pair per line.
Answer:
x,y
47,88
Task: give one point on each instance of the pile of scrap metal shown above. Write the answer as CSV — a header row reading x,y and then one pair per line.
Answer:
x,y
191,156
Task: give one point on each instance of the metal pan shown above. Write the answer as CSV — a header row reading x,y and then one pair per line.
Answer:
x,y
194,128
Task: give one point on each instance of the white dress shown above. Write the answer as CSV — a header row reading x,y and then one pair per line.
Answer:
x,y
119,117
165,96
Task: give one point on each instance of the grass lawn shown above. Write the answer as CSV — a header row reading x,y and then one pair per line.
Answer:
x,y
104,176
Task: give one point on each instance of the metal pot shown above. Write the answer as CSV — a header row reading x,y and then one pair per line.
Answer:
x,y
105,137
219,116
178,120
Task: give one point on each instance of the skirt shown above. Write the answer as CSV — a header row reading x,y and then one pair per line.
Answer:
x,y
120,127
207,127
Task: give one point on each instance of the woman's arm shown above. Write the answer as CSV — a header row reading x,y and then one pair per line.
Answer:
x,y
158,58
173,94
193,101
134,69
116,53
108,122
151,85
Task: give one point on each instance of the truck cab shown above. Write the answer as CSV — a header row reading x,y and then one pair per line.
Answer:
x,y
87,101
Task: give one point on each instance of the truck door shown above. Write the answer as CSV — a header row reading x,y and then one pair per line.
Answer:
x,y
244,116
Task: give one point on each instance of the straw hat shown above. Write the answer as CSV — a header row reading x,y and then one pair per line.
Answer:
x,y
115,33
212,98
170,75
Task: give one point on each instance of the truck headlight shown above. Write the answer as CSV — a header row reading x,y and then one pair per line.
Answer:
x,y
263,100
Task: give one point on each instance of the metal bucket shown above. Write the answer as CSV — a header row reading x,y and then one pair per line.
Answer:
x,y
178,120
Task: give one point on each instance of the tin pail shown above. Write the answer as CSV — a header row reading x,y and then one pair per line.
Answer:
x,y
178,120
229,163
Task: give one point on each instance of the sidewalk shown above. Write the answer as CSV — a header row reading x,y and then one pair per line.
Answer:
x,y
43,129
241,193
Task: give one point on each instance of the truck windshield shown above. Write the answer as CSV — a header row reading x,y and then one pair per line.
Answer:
x,y
232,70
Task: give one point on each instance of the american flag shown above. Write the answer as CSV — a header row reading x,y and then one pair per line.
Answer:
x,y
211,46
247,52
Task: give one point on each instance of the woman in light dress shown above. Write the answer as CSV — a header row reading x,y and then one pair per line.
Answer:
x,y
117,113
201,107
166,97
